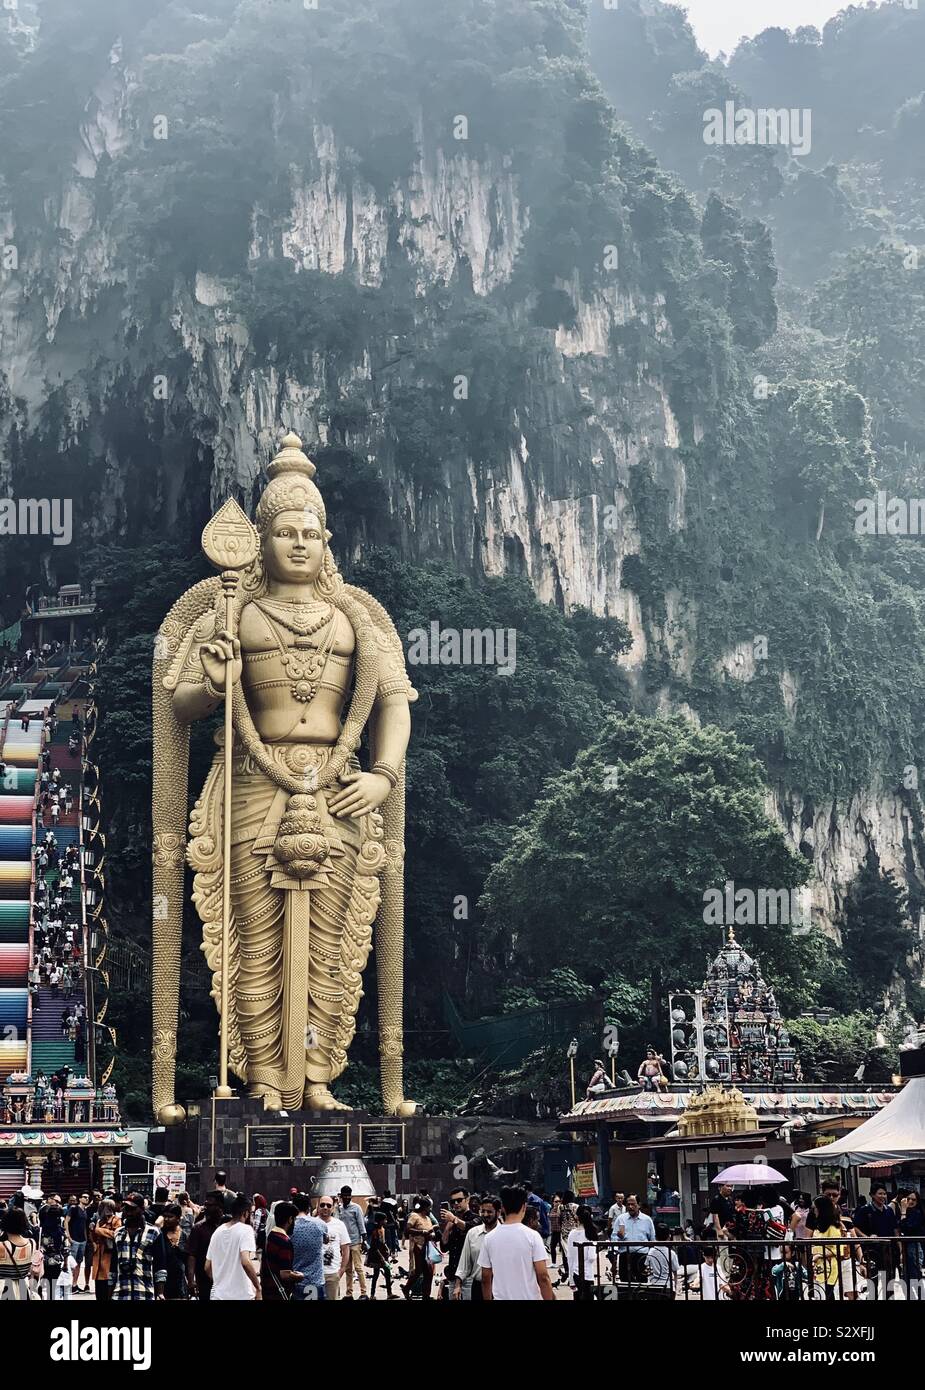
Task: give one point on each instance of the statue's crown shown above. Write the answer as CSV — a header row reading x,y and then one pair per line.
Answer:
x,y
291,459
290,487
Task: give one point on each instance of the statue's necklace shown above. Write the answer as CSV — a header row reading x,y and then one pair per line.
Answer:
x,y
304,664
296,617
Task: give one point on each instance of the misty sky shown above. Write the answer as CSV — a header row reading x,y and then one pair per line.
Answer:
x,y
719,24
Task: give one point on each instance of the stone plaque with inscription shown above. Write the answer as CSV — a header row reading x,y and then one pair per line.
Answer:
x,y
268,1141
319,1140
382,1141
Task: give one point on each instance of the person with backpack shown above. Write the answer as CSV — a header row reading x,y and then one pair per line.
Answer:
x,y
188,1214
18,1256
53,1239
389,1208
538,1201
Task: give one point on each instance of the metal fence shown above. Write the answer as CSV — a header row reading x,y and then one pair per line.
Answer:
x,y
733,1271
128,965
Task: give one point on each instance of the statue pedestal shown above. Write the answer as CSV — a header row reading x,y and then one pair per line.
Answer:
x,y
272,1154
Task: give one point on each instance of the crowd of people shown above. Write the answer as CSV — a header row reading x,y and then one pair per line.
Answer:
x,y
758,1245
56,798
297,1249
57,939
515,1246
16,664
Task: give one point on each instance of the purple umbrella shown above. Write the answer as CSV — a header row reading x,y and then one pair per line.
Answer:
x,y
755,1174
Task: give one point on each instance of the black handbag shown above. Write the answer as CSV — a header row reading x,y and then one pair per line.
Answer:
x,y
285,1295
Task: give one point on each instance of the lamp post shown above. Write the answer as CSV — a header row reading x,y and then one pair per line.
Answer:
x,y
571,1054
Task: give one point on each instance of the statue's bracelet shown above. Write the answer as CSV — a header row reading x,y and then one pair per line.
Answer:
x,y
385,771
212,692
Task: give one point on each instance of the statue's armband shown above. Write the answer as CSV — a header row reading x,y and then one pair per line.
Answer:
x,y
393,676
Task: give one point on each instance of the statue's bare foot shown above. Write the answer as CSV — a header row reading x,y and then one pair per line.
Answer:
x,y
318,1097
272,1099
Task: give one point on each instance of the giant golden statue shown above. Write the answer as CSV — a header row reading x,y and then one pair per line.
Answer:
x,y
289,886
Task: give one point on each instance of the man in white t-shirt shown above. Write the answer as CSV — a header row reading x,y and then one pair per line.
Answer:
x,y
230,1261
335,1250
713,1287
617,1210
513,1257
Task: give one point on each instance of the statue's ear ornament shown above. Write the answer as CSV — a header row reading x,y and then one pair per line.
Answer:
x,y
328,536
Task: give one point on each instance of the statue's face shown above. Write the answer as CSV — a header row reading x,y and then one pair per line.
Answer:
x,y
293,549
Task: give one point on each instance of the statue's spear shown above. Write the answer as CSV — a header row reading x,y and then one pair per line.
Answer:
x,y
230,543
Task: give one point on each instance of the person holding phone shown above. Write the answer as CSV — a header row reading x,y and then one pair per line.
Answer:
x,y
456,1221
336,1247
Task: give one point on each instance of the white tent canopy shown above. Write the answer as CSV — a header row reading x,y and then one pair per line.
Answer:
x,y
896,1134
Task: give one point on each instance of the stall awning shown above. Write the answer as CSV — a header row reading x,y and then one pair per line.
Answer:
x,y
896,1134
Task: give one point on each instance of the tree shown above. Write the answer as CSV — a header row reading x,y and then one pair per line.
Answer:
x,y
749,276
824,428
833,1049
876,932
874,306
611,866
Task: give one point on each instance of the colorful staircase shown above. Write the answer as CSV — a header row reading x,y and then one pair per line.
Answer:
x,y
20,753
49,1050
12,1174
20,825
30,1028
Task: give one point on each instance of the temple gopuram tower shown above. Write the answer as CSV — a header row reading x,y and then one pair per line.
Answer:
x,y
731,1029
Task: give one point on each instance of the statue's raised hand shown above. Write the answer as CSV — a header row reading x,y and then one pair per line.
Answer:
x,y
216,656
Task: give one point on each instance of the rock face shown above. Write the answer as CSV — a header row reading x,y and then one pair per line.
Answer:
x,y
838,839
449,209
554,501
